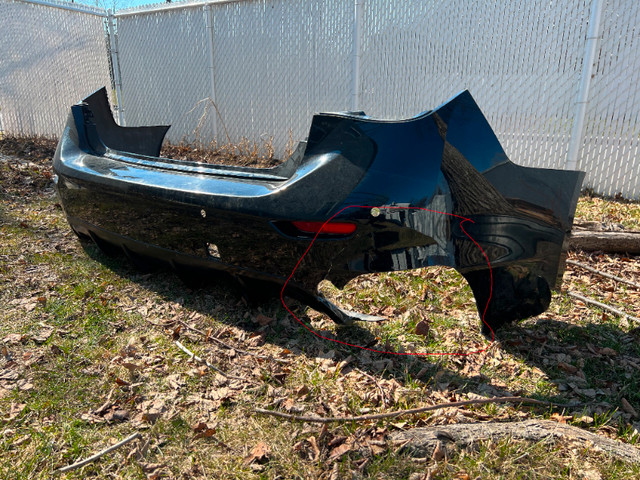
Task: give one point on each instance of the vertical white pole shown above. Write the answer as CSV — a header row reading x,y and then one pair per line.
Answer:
x,y
212,73
577,134
357,33
116,67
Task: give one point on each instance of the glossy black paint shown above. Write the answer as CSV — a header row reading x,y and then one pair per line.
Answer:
x,y
426,175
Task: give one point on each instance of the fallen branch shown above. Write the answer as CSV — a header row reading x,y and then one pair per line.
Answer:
x,y
230,347
99,454
614,242
412,411
423,441
204,362
601,305
603,274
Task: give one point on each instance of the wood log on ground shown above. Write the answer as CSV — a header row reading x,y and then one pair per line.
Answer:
x,y
609,242
423,441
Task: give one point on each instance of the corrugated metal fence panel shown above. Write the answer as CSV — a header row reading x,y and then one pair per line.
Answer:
x,y
520,60
49,59
165,69
610,153
277,62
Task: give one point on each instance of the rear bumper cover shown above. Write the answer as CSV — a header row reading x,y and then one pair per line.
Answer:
x,y
443,190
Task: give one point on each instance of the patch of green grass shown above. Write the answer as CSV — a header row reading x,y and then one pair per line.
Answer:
x,y
597,209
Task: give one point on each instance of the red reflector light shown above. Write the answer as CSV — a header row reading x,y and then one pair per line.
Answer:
x,y
335,228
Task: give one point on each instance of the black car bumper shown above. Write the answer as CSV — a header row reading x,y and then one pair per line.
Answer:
x,y
436,189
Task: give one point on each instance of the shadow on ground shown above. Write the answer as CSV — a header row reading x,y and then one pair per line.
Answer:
x,y
589,364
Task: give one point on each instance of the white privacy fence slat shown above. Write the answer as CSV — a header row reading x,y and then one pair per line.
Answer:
x,y
520,60
51,56
270,64
164,69
272,68
610,149
276,63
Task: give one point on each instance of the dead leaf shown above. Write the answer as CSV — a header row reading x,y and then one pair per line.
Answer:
x,y
608,351
221,394
91,418
151,467
207,432
55,349
257,340
584,419
288,404
203,430
24,385
567,367
130,366
152,409
302,391
260,454
626,406
337,440
9,374
339,451
376,447
14,338
556,417
263,320
335,472
14,411
175,335
439,452
422,328
116,414
314,447
388,311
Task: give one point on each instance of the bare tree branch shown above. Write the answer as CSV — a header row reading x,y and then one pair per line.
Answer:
x,y
230,347
603,274
204,362
99,454
601,305
397,413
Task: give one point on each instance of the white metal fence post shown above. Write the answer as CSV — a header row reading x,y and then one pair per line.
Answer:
x,y
357,33
577,133
115,62
212,71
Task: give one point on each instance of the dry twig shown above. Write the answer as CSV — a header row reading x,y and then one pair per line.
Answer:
x,y
99,454
601,305
603,274
383,397
230,347
204,362
412,411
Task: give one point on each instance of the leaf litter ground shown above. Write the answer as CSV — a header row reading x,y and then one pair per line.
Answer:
x,y
89,356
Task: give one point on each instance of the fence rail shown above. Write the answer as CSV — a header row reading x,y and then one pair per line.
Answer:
x,y
556,80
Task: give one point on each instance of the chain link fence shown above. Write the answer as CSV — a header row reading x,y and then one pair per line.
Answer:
x,y
259,69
